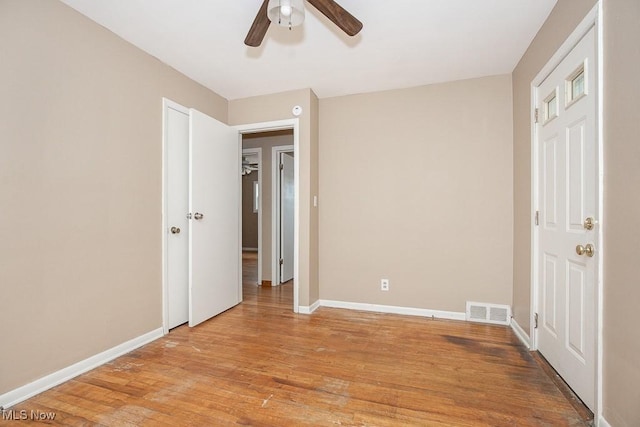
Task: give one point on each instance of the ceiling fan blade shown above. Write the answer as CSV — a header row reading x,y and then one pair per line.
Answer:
x,y
259,27
338,15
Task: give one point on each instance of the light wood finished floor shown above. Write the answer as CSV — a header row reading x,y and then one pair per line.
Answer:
x,y
259,364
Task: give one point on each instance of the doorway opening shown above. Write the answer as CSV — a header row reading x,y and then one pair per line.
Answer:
x,y
269,206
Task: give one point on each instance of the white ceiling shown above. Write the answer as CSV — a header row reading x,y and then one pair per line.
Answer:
x,y
403,43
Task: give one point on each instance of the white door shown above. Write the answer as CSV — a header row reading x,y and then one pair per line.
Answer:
x,y
567,173
215,275
287,209
177,170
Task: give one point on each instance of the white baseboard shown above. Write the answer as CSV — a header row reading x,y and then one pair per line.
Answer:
x,y
602,422
45,383
520,333
308,309
410,311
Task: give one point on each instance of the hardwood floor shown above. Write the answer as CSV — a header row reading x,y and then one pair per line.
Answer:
x,y
259,364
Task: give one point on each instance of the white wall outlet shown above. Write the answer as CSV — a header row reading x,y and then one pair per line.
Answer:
x,y
384,284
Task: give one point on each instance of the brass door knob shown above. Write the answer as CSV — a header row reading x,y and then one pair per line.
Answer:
x,y
589,223
588,250
175,230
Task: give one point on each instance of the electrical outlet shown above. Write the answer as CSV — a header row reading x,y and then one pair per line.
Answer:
x,y
384,284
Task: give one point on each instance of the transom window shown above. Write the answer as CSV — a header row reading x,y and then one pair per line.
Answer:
x,y
551,106
576,85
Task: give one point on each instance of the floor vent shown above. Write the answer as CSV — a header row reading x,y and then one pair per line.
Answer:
x,y
488,313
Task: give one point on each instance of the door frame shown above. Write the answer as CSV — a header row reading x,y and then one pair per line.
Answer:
x,y
275,210
591,20
258,151
294,125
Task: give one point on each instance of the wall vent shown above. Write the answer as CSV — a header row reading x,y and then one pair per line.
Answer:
x,y
497,314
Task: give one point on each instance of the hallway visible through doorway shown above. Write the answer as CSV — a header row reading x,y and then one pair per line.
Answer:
x,y
252,294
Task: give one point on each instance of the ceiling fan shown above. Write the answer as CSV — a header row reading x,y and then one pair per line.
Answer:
x,y
249,164
291,12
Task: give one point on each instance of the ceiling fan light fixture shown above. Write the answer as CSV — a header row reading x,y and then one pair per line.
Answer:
x,y
286,13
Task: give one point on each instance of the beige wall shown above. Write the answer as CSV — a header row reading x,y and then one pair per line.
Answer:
x,y
278,107
267,141
415,186
80,184
249,217
561,22
621,211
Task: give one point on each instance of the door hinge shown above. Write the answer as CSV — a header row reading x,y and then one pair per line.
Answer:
x,y
535,321
281,261
189,215
537,218
536,115
281,166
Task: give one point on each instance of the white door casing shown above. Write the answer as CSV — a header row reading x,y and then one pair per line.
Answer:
x,y
176,205
567,189
215,275
287,204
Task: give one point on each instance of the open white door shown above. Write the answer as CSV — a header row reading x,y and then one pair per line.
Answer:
x,y
215,276
287,211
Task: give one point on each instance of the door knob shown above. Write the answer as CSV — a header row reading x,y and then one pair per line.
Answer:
x,y
175,230
198,215
589,223
587,250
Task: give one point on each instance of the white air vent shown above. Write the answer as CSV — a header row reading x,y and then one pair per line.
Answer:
x,y
488,313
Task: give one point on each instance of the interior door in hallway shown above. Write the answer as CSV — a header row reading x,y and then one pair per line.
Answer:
x,y
567,203
287,211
